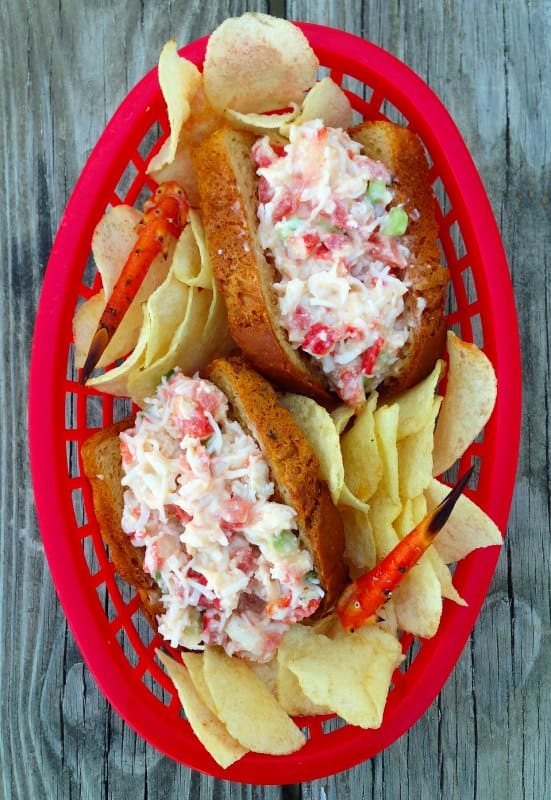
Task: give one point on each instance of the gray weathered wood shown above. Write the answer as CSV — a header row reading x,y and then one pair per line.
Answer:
x,y
65,67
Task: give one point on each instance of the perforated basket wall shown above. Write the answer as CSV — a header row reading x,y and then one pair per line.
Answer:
x,y
103,611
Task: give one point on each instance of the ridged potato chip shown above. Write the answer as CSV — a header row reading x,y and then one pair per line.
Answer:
x,y
194,665
318,427
257,63
179,80
359,551
207,727
363,468
191,120
290,695
442,572
350,674
239,695
467,529
418,600
415,456
416,403
115,381
326,101
264,124
468,404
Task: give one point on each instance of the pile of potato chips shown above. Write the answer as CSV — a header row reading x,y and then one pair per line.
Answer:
x,y
378,460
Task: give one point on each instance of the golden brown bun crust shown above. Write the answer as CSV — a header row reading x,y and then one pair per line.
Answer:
x,y
101,459
293,467
228,189
401,151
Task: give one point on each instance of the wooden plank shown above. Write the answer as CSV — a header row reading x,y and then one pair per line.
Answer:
x,y
66,68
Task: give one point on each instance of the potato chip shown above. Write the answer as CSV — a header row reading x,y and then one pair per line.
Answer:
x,y
264,124
388,621
329,626
470,398
326,101
415,456
418,600
165,308
180,170
257,63
442,572
191,261
416,404
386,429
289,693
419,508
207,727
359,550
187,349
363,467
179,80
467,529
268,673
382,513
318,427
194,665
341,416
350,674
239,696
112,241
116,381
404,523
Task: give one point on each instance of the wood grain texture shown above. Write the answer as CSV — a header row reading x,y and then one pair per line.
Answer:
x,y
65,66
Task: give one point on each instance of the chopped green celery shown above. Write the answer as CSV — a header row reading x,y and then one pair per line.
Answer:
x,y
396,222
312,576
159,579
168,374
377,193
192,632
288,226
285,542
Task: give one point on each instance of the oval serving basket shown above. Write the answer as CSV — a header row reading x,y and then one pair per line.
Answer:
x,y
102,611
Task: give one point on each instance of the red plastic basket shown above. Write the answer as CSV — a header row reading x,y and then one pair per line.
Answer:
x,y
103,613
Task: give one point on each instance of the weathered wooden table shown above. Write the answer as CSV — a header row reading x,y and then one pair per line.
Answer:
x,y
65,67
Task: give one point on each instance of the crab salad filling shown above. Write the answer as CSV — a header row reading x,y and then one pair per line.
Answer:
x,y
328,219
199,499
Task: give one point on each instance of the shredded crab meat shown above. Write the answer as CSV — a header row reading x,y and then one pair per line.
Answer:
x,y
326,216
198,497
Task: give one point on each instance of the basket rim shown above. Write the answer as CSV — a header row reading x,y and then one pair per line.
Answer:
x,y
46,410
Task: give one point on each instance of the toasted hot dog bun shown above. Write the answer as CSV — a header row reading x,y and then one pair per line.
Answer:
x,y
245,275
293,467
102,463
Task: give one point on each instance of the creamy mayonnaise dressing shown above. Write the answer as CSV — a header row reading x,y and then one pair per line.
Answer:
x,y
327,218
199,498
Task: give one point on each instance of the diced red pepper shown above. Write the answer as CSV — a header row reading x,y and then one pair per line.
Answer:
x,y
320,339
284,208
311,240
180,514
236,512
279,150
370,356
265,191
197,426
